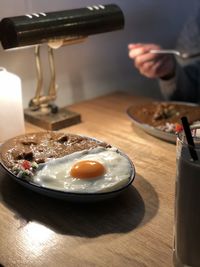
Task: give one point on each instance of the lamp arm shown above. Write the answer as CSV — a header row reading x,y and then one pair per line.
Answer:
x,y
52,87
39,72
35,102
39,99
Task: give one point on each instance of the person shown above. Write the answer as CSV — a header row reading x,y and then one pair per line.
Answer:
x,y
176,82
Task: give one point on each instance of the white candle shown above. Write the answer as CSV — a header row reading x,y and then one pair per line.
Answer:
x,y
11,107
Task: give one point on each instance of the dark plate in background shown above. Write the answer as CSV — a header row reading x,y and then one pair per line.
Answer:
x,y
169,137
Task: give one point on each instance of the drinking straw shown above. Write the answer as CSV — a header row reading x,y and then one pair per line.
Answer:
x,y
189,138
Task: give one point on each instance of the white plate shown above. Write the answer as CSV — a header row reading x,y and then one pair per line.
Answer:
x,y
169,137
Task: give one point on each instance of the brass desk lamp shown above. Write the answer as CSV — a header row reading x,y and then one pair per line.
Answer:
x,y
56,29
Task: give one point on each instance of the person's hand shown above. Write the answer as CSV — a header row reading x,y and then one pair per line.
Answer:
x,y
152,65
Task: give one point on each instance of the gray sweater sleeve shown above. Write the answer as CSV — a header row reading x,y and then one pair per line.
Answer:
x,y
185,86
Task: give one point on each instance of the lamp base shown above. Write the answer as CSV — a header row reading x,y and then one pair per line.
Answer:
x,y
52,121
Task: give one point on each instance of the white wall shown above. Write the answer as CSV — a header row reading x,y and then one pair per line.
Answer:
x,y
101,64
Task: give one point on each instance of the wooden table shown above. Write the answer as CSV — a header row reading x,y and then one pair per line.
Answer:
x,y
135,229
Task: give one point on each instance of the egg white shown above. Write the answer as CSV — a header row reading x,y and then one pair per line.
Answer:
x,y
55,174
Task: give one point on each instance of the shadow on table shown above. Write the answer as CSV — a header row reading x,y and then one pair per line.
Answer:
x,y
122,214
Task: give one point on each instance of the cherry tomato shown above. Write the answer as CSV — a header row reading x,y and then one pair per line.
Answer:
x,y
26,164
178,127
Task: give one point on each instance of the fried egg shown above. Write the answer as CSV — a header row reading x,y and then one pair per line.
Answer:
x,y
88,171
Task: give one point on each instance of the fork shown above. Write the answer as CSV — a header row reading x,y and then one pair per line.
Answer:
x,y
176,53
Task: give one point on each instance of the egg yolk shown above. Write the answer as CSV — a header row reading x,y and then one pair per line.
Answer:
x,y
87,169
